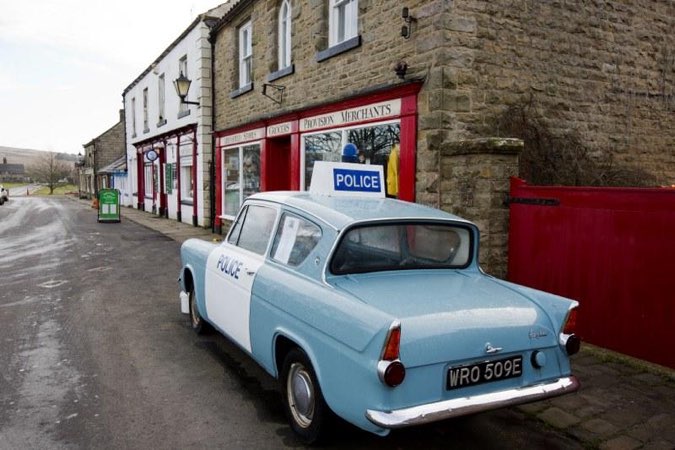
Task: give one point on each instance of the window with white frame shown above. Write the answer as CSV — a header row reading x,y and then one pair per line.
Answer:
x,y
133,116
241,175
160,97
187,183
343,21
374,143
245,54
145,110
285,34
149,182
183,70
133,175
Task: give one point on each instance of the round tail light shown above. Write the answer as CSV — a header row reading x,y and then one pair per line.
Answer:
x,y
394,374
573,344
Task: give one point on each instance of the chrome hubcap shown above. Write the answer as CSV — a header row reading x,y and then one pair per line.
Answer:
x,y
300,392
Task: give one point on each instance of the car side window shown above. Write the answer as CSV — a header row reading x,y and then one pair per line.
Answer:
x,y
295,239
254,229
233,238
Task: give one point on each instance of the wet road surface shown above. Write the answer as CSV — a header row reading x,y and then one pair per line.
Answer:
x,y
95,353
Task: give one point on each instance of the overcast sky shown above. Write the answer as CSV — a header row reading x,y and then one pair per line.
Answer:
x,y
64,64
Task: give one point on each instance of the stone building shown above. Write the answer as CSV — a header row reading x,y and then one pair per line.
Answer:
x,y
12,172
424,83
99,153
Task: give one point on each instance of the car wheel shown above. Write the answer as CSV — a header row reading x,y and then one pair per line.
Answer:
x,y
304,404
198,324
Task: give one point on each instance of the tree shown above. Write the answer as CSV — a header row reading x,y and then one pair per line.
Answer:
x,y
50,170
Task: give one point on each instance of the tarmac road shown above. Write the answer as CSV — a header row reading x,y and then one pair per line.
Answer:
x,y
95,353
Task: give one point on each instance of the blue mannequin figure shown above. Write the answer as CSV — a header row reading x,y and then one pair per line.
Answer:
x,y
350,153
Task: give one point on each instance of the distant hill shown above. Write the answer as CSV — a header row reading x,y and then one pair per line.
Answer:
x,y
27,157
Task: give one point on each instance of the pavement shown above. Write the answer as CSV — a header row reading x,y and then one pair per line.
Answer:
x,y
623,404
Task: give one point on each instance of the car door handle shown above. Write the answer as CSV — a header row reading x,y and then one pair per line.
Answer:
x,y
249,272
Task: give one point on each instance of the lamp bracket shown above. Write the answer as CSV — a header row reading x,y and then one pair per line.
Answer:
x,y
277,96
185,102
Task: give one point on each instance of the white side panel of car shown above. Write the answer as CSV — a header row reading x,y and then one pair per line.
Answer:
x,y
230,272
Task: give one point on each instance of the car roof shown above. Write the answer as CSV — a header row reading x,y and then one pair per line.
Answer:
x,y
342,211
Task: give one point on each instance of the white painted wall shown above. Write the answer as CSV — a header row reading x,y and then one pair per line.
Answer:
x,y
195,46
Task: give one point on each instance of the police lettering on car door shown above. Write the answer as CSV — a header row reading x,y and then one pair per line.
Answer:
x,y
229,266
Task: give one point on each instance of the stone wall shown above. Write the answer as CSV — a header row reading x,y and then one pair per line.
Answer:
x,y
312,83
603,71
110,145
474,182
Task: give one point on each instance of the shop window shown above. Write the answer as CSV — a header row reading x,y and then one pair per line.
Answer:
x,y
187,185
284,35
148,180
241,176
375,144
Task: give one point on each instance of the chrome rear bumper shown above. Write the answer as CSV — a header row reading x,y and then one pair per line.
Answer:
x,y
446,409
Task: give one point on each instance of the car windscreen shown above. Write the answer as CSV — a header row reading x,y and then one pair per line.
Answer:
x,y
402,246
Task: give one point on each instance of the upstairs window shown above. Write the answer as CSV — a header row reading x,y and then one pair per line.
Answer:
x,y
343,24
133,117
146,127
245,55
160,98
285,34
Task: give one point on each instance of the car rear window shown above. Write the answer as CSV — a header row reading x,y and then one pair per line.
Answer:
x,y
402,246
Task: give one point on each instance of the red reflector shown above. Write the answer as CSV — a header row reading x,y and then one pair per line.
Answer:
x,y
394,374
391,346
571,322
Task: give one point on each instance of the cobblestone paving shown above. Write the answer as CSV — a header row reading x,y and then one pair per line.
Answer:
x,y
623,403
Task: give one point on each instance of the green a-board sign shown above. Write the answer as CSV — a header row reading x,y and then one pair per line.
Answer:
x,y
108,205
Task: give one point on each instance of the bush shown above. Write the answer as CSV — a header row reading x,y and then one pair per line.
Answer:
x,y
551,159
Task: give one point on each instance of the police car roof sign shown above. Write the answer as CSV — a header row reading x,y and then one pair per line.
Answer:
x,y
347,180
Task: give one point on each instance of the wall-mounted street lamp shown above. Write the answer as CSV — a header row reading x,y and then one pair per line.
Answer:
x,y
182,85
406,30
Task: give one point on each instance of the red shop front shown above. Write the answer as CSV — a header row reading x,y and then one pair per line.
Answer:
x,y
279,153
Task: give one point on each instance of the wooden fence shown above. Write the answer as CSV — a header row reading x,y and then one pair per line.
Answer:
x,y
612,249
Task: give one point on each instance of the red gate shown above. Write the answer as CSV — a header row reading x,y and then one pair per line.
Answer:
x,y
612,249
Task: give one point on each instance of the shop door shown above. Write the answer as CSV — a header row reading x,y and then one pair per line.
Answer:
x,y
278,164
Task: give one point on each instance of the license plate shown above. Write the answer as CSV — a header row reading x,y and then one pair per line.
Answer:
x,y
484,372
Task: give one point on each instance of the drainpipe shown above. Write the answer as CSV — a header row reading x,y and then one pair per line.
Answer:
x,y
215,224
93,154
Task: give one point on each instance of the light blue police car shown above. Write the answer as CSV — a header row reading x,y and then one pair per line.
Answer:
x,y
373,309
